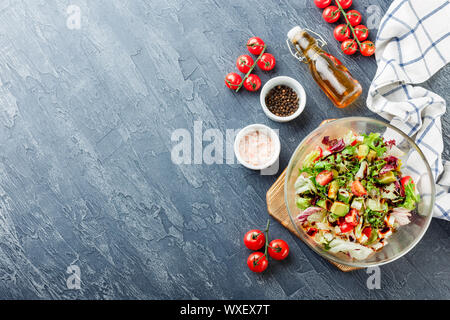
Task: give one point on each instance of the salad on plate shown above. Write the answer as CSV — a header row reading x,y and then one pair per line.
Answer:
x,y
352,195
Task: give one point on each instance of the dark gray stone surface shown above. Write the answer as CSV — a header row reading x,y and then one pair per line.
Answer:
x,y
86,176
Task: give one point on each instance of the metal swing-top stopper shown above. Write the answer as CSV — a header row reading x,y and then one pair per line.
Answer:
x,y
292,33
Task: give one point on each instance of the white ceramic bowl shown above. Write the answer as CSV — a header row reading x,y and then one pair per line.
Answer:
x,y
262,128
287,81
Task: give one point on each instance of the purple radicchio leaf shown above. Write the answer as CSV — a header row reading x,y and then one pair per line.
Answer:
x,y
390,143
307,212
334,145
391,164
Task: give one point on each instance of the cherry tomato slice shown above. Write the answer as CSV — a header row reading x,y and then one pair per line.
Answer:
x,y
252,83
367,48
341,32
254,239
345,4
367,232
278,249
352,217
331,14
354,17
233,80
266,62
361,32
349,46
324,177
312,232
358,189
244,63
319,149
257,262
255,45
405,180
346,227
322,3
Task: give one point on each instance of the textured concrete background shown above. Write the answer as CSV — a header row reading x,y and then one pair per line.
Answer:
x,y
86,176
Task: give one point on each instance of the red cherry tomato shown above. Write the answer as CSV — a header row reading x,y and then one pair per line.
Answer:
x,y
254,239
361,32
354,17
367,232
349,46
341,32
324,177
405,180
358,189
367,48
278,249
322,3
331,14
252,83
233,80
257,262
345,4
336,61
255,45
319,149
266,62
244,63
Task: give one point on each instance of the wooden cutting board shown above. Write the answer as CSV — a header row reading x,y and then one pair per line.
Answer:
x,y
277,209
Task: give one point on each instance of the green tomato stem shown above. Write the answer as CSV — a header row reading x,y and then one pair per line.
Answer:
x,y
349,25
251,68
266,231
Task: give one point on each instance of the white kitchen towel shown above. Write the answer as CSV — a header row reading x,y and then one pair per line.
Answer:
x,y
412,44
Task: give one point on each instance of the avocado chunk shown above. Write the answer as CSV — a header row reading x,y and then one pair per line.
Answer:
x,y
339,209
344,195
371,156
363,150
333,189
386,178
322,203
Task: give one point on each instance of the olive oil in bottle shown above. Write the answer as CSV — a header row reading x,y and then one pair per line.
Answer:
x,y
332,77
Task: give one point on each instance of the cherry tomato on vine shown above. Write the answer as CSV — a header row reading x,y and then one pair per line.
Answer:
x,y
349,46
333,58
367,48
257,262
244,63
361,32
252,82
322,3
341,32
345,4
233,80
255,45
354,17
331,14
266,62
254,239
278,249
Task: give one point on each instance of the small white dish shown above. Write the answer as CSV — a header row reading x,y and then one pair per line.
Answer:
x,y
266,130
289,82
